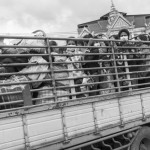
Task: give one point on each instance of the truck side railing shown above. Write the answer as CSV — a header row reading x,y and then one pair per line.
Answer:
x,y
123,72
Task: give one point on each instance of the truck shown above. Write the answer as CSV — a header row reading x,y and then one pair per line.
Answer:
x,y
117,120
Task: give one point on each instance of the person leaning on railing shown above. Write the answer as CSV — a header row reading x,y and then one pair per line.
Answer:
x,y
106,72
94,64
58,65
71,52
144,51
124,36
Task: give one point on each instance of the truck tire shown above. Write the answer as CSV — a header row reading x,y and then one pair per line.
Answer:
x,y
142,140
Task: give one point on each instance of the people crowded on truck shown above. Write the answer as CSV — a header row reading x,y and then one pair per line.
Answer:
x,y
83,68
107,84
73,56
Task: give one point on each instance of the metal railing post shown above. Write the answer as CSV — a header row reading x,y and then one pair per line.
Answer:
x,y
51,68
118,85
115,65
127,71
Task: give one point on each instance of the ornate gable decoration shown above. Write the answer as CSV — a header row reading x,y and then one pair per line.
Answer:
x,y
117,21
121,22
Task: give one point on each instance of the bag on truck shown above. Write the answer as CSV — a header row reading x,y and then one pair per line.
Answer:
x,y
59,75
36,68
49,93
12,88
27,42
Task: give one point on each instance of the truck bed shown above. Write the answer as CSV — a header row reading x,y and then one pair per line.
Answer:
x,y
64,124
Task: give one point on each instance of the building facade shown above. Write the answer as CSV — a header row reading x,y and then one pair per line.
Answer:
x,y
110,23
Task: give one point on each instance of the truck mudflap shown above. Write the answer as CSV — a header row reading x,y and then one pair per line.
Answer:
x,y
118,141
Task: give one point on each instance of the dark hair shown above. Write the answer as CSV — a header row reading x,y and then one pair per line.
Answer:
x,y
52,43
71,40
115,36
143,37
123,30
105,57
80,43
87,36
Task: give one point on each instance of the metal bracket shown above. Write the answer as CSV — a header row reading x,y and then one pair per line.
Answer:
x,y
97,131
143,111
66,140
122,124
25,129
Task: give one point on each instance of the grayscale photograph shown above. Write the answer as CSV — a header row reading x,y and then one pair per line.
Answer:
x,y
74,74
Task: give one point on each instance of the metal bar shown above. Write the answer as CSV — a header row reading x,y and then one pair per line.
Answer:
x,y
115,66
127,139
87,39
66,70
127,70
26,135
117,142
104,68
123,147
12,102
122,124
51,67
21,37
26,94
70,78
112,81
19,46
54,38
118,47
111,60
83,61
23,64
84,92
143,110
95,119
116,94
94,148
102,139
10,93
22,55
117,53
66,140
71,82
106,145
84,54
26,82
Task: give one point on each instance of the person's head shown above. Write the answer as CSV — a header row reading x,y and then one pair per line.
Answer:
x,y
114,37
143,37
71,42
123,34
54,43
98,36
106,63
87,36
80,43
91,56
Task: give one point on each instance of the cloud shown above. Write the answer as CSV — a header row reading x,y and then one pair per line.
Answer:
x,y
59,16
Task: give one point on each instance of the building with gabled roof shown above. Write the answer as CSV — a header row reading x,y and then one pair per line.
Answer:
x,y
110,23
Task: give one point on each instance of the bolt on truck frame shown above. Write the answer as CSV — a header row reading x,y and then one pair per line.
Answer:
x,y
113,121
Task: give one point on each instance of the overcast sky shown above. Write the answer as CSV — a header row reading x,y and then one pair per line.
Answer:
x,y
60,16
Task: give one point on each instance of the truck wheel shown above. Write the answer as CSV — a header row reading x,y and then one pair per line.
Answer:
x,y
142,140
